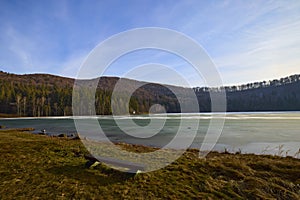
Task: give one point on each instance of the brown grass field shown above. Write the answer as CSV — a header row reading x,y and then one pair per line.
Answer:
x,y
41,167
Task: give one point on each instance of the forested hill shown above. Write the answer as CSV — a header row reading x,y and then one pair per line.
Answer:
x,y
49,95
275,95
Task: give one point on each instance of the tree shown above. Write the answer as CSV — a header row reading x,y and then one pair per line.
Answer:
x,y
18,100
24,105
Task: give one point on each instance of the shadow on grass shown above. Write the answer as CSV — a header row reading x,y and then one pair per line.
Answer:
x,y
100,175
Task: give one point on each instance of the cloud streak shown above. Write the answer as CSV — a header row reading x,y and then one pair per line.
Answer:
x,y
248,40
264,51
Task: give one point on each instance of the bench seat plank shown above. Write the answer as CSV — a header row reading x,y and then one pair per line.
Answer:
x,y
133,167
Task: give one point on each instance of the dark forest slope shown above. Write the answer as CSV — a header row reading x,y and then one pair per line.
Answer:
x,y
47,95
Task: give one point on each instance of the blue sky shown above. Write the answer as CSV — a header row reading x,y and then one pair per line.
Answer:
x,y
247,40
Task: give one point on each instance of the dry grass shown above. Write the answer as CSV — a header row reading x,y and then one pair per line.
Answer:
x,y
40,167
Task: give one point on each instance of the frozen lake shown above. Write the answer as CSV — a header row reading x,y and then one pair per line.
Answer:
x,y
260,133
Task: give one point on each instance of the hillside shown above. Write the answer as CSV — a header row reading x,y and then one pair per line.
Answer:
x,y
49,95
274,95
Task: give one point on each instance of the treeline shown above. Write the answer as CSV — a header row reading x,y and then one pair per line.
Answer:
x,y
274,95
48,95
263,84
25,99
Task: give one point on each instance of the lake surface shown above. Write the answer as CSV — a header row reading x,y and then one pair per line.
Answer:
x,y
260,133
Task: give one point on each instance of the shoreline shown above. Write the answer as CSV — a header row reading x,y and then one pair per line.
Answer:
x,y
269,149
8,116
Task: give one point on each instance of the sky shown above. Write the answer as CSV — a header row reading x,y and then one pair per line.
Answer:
x,y
247,41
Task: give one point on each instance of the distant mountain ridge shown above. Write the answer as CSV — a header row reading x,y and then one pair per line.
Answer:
x,y
48,95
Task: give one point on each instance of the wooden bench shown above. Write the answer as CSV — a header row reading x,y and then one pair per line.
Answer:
x,y
131,166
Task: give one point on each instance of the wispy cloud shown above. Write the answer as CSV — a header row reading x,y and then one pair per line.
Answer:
x,y
248,40
72,64
264,51
21,47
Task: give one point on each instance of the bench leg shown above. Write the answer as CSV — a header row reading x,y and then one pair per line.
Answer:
x,y
89,163
134,172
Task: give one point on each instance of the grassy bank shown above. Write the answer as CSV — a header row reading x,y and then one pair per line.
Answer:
x,y
35,166
4,115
